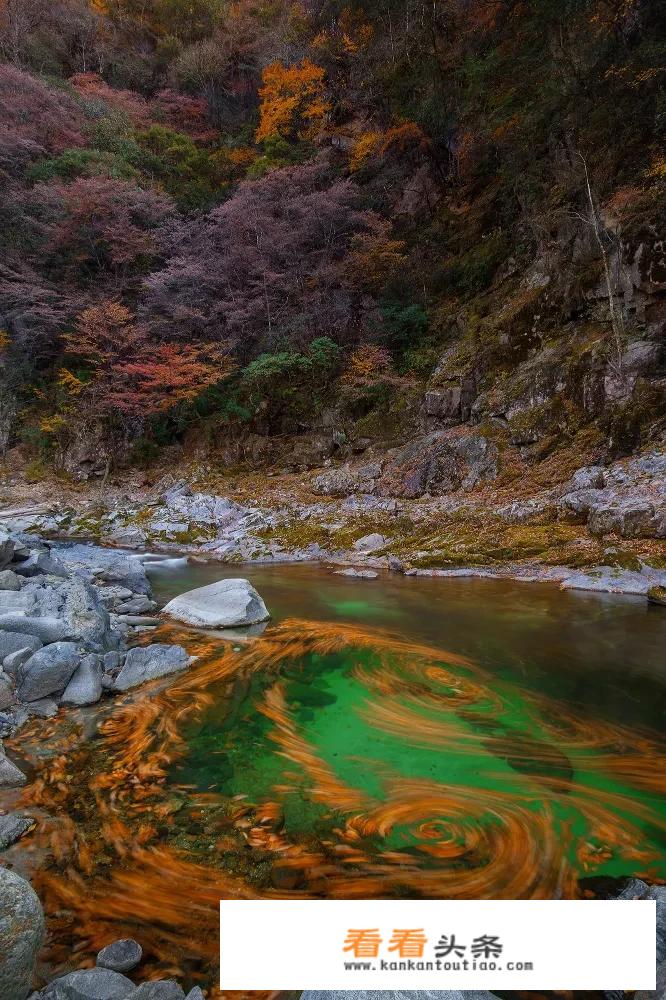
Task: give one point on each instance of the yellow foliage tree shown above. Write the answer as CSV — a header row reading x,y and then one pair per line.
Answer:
x,y
368,365
293,101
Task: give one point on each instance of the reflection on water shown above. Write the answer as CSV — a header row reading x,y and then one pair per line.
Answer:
x,y
440,738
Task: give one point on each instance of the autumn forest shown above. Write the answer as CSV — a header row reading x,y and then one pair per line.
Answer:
x,y
219,216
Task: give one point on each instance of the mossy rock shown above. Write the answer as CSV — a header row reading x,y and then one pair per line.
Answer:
x,y
657,595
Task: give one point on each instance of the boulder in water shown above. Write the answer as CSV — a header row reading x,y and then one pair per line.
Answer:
x,y
120,956
225,604
146,663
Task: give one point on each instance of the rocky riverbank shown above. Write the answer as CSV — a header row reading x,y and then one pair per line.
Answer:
x,y
602,528
68,620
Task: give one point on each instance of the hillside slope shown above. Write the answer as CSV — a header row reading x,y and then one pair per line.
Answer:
x,y
401,249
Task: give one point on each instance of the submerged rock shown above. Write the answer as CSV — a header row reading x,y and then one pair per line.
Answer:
x,y
146,663
13,826
227,603
21,934
120,956
361,574
10,775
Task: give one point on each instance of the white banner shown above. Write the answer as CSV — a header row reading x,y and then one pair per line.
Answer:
x,y
437,944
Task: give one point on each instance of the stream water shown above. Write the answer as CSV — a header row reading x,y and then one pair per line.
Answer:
x,y
459,718
392,737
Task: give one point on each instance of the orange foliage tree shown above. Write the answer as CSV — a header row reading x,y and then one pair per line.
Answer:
x,y
131,374
293,100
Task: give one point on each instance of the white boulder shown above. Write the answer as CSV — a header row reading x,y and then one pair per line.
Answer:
x,y
225,604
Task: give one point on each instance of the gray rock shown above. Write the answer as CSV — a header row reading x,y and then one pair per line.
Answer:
x,y
166,989
21,934
39,563
657,595
590,477
48,671
195,994
136,606
107,566
13,826
45,629
16,602
227,603
439,463
120,956
6,549
11,642
148,662
88,618
85,686
111,661
11,776
111,596
9,580
348,479
631,519
129,536
13,661
93,984
370,543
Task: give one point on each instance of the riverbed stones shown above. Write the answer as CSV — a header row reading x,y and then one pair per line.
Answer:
x,y
120,956
48,671
227,603
21,934
93,984
146,663
85,685
13,826
195,994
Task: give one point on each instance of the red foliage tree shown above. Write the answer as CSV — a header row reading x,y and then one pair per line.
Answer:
x,y
131,374
99,228
267,265
32,111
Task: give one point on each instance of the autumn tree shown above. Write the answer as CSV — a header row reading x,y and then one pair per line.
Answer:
x,y
293,101
269,266
98,228
126,371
